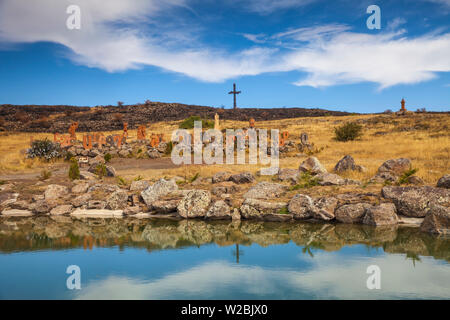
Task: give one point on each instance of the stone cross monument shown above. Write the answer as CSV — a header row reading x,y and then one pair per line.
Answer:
x,y
234,93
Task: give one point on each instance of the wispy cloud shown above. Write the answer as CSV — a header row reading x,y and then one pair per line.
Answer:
x,y
120,35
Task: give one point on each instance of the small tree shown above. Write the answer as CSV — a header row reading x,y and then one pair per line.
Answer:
x,y
348,132
74,169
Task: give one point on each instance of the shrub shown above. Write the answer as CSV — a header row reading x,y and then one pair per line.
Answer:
x,y
107,157
305,181
283,211
189,123
348,132
169,148
45,175
121,181
100,170
405,176
74,169
44,149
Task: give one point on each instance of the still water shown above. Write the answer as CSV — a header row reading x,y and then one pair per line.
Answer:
x,y
148,259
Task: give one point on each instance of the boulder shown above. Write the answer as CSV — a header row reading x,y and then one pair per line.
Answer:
x,y
80,188
106,188
257,209
109,170
415,180
444,182
390,170
86,175
347,163
97,213
160,188
312,165
219,210
301,206
81,200
165,206
245,177
416,201
55,191
194,204
330,179
265,190
16,213
7,199
324,208
383,214
42,206
139,185
437,220
154,154
117,200
288,175
225,188
351,213
221,177
60,210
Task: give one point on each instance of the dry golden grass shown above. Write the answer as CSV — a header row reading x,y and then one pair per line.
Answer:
x,y
423,138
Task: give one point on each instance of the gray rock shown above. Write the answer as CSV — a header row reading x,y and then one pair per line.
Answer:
x,y
289,175
444,182
391,170
109,170
312,165
245,177
139,185
384,214
437,220
219,210
153,154
160,188
257,209
165,206
106,188
416,201
324,208
301,206
347,163
55,191
80,188
351,213
60,210
265,190
86,175
330,179
81,200
221,177
194,204
117,200
42,206
225,188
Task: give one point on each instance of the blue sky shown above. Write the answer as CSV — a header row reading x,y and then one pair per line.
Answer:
x,y
284,53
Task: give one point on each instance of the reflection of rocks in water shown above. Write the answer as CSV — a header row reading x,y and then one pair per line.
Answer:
x,y
27,233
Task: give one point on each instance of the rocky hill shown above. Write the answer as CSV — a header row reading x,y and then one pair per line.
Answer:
x,y
31,118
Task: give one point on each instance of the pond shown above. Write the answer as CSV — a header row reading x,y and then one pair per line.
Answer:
x,y
163,259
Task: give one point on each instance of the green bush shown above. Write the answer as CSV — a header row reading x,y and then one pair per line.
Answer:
x,y
348,132
74,170
107,157
405,176
189,123
305,181
101,171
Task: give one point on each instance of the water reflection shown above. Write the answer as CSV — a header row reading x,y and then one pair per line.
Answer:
x,y
218,260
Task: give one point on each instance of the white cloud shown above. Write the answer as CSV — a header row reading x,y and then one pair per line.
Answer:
x,y
330,277
266,7
120,35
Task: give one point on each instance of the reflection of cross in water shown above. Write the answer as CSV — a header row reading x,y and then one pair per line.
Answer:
x,y
237,253
234,93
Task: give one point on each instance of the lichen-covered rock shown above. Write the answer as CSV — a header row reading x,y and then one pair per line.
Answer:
x,y
257,209
437,220
194,204
55,191
219,210
324,208
444,182
301,206
160,188
225,188
330,179
166,206
289,175
60,210
351,213
265,190
416,201
42,206
383,214
390,170
221,177
312,165
117,200
245,177
139,185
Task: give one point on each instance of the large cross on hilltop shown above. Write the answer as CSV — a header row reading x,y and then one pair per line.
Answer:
x,y
234,93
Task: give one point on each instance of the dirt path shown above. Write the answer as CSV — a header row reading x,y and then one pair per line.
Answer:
x,y
119,164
